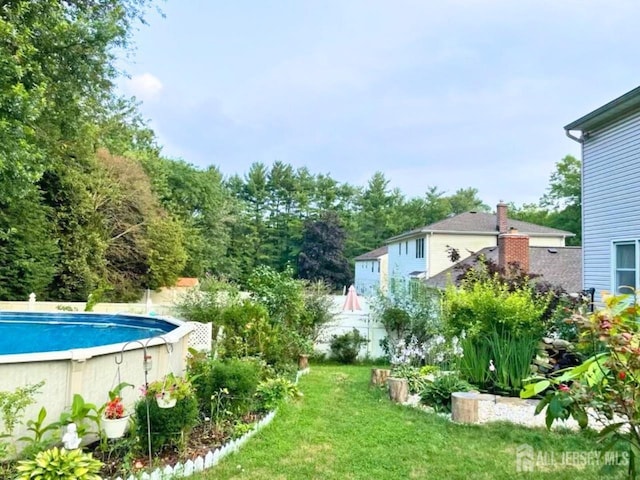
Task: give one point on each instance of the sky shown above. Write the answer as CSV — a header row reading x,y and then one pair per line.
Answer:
x,y
452,94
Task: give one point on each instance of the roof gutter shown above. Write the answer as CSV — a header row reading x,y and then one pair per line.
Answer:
x,y
579,139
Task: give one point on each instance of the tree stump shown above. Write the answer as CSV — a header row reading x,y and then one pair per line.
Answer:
x,y
398,389
303,362
379,376
464,407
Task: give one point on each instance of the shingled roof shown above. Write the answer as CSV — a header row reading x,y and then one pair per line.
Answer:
x,y
373,254
480,222
560,266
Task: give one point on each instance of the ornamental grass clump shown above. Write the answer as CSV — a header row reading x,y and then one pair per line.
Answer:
x,y
498,363
501,325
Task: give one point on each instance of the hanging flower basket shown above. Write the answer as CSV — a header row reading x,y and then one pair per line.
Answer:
x,y
165,400
115,427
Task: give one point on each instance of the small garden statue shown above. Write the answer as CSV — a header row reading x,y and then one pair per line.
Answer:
x,y
71,439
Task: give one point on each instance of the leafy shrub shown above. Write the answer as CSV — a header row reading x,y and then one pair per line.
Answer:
x,y
408,309
206,303
437,393
317,311
345,348
272,392
248,331
169,426
55,464
479,308
279,292
239,377
395,320
560,324
12,407
607,382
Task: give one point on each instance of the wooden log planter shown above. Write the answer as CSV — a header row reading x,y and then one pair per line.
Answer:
x,y
303,362
379,376
464,407
475,407
398,389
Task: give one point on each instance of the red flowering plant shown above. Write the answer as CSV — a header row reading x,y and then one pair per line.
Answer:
x,y
114,408
607,384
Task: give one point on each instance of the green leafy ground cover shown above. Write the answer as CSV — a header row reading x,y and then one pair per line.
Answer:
x,y
343,429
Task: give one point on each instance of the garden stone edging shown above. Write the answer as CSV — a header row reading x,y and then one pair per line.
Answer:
x,y
481,408
213,457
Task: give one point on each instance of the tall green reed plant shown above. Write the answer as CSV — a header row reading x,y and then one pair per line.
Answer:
x,y
498,362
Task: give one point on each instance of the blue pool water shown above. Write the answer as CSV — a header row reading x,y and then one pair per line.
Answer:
x,y
50,332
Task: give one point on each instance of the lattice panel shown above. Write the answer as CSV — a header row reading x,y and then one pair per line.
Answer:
x,y
200,338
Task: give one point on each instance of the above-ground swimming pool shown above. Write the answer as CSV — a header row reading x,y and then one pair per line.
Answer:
x,y
86,354
22,332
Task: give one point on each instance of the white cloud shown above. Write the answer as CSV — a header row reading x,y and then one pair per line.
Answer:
x,y
145,86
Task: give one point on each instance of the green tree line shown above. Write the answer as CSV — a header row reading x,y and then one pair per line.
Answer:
x,y
88,204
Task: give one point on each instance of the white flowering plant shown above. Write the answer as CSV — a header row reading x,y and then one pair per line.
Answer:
x,y
410,355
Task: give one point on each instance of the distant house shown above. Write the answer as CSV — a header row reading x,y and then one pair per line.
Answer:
x,y
371,272
424,252
610,138
558,266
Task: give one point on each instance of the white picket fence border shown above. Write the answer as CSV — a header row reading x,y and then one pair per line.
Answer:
x,y
213,457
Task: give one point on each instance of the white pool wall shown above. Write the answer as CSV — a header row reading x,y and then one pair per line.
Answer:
x,y
92,372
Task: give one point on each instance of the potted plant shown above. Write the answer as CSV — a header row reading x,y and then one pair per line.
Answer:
x,y
114,416
305,348
169,390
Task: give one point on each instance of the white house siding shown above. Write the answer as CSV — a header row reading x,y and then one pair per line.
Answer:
x,y
384,271
467,244
367,278
546,241
403,261
464,243
610,197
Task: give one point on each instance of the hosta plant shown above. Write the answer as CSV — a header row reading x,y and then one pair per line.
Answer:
x,y
437,393
60,464
272,392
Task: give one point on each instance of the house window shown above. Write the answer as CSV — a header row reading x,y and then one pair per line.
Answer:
x,y
406,247
372,266
419,247
378,266
399,249
625,266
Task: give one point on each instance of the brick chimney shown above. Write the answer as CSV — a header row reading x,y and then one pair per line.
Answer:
x,y
513,247
501,214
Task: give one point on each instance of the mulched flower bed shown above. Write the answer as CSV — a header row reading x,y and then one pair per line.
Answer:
x,y
125,456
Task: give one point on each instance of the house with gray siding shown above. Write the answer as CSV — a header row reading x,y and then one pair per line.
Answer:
x,y
610,138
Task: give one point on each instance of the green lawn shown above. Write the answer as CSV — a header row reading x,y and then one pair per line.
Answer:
x,y
342,429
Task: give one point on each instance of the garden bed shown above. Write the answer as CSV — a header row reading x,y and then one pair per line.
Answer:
x,y
202,440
